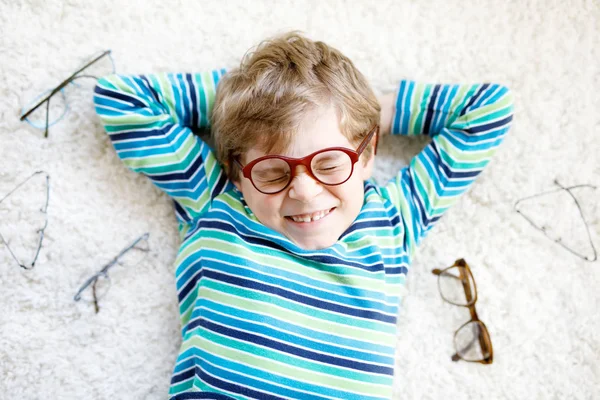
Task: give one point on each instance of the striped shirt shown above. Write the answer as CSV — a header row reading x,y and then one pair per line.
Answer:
x,y
261,317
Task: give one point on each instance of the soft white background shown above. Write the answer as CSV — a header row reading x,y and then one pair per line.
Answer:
x,y
539,301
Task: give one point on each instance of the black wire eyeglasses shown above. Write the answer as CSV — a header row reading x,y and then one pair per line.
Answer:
x,y
42,114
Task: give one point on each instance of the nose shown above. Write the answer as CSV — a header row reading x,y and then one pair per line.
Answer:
x,y
304,187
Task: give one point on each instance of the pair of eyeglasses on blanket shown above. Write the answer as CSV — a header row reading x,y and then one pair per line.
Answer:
x,y
20,206
554,196
471,340
99,283
52,105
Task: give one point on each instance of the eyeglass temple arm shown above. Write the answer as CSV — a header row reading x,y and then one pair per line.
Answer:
x,y
365,143
438,272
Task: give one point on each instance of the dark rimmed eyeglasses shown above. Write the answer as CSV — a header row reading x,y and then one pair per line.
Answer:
x,y
331,166
472,340
99,64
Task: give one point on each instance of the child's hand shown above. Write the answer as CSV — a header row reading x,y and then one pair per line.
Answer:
x,y
387,103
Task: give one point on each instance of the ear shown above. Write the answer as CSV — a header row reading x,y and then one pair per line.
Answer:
x,y
236,181
367,171
237,184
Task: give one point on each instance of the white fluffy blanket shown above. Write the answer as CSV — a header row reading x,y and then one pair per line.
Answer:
x,y
539,301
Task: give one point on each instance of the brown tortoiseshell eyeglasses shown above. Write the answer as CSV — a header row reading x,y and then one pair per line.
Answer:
x,y
472,340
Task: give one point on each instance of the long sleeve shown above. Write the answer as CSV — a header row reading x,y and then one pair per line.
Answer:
x,y
467,123
149,119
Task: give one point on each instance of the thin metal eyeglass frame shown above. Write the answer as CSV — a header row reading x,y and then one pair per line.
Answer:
x,y
306,162
46,99
41,231
543,228
104,271
484,339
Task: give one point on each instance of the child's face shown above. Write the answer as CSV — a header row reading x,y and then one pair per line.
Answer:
x,y
304,195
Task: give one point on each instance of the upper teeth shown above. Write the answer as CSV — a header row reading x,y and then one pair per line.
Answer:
x,y
310,217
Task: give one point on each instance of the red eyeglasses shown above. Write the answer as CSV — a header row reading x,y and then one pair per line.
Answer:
x,y
331,166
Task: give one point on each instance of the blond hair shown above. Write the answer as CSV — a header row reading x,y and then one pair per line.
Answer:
x,y
263,102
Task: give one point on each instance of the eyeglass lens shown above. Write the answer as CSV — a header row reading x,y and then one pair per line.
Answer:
x,y
470,340
329,167
457,286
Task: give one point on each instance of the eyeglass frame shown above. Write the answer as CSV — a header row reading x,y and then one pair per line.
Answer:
x,y
46,99
485,341
543,228
307,160
41,231
104,271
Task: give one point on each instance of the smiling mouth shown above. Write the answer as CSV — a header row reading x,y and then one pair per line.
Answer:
x,y
304,218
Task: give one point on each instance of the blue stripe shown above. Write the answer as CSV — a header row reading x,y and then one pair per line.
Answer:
x,y
159,141
250,270
200,396
396,127
196,274
256,384
430,112
281,336
186,106
178,98
440,115
307,354
191,174
298,298
280,379
407,106
474,98
133,102
490,126
182,214
230,387
202,106
244,233
193,99
297,329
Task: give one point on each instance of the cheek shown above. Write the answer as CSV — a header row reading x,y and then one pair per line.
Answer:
x,y
349,192
270,204
353,193
261,204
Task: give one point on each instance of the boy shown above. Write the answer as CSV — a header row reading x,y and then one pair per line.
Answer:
x,y
291,257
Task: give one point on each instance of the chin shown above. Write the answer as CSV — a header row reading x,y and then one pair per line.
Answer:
x,y
314,243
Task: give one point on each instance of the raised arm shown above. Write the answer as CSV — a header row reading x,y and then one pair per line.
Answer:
x,y
150,118
467,123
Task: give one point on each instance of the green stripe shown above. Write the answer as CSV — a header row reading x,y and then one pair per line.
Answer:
x,y
246,300
283,364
